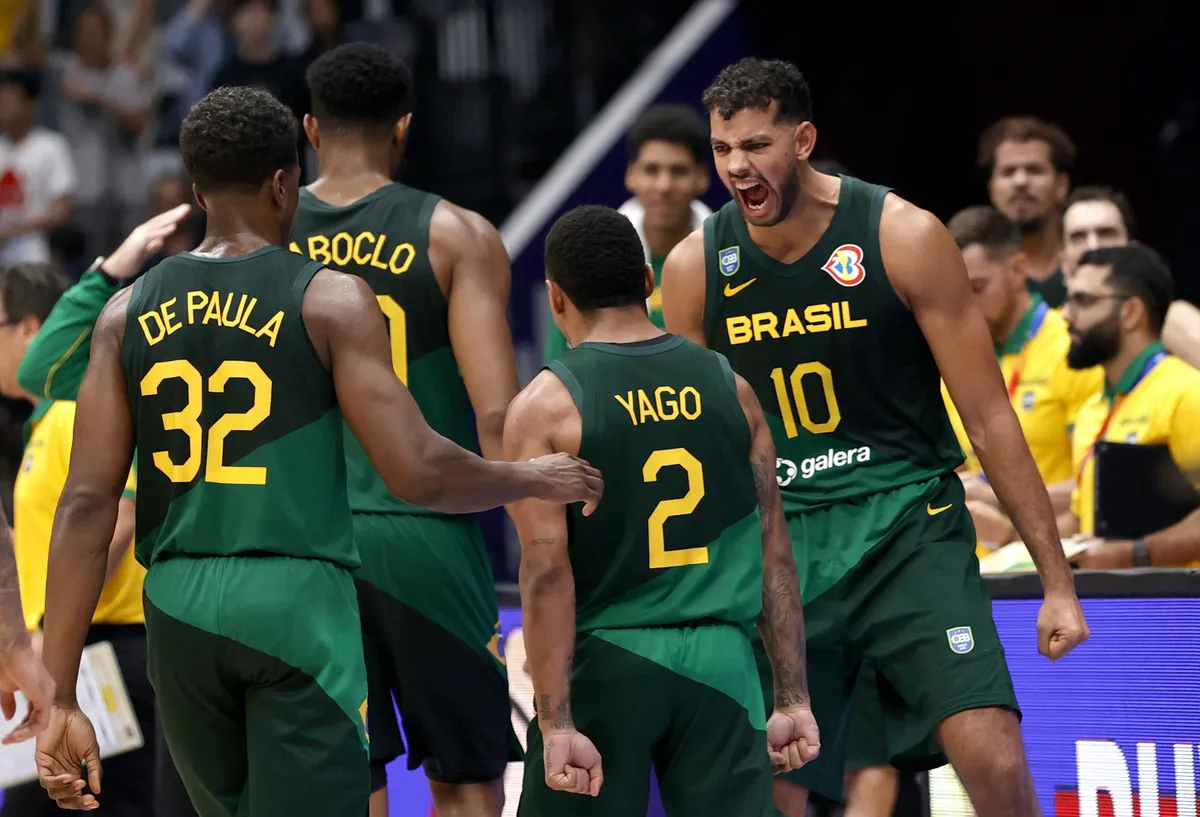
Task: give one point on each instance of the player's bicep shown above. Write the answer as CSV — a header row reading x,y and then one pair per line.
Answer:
x,y
926,267
102,446
684,288
541,526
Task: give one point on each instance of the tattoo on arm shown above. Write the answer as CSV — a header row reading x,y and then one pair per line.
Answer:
x,y
12,618
559,716
781,623
542,542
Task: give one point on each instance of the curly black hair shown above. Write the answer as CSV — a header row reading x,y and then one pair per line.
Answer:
x,y
595,255
237,138
756,83
673,124
360,87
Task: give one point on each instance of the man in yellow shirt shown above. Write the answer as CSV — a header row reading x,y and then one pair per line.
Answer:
x,y
27,294
1116,305
1031,347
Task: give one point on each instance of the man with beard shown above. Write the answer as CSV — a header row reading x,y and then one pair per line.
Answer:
x,y
1028,163
844,306
1116,305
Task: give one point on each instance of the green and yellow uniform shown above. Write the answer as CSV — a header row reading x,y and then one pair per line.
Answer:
x,y
244,528
668,582
883,541
428,599
1156,402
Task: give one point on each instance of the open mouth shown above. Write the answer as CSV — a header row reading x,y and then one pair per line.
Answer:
x,y
753,195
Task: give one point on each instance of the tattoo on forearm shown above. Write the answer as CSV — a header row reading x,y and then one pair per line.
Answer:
x,y
12,618
781,624
557,715
542,542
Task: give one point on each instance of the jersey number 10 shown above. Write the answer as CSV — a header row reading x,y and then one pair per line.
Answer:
x,y
796,381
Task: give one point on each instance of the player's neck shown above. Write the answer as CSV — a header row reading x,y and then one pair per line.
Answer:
x,y
809,218
1020,306
624,325
232,231
1043,250
346,173
1131,346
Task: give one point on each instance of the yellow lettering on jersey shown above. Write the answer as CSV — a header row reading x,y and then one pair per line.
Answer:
x,y
164,320
318,249
205,308
759,326
667,404
364,249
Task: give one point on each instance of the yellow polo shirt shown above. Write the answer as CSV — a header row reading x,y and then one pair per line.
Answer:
x,y
1161,408
1046,394
39,484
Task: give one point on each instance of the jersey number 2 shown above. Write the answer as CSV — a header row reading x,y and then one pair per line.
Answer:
x,y
188,420
659,555
796,381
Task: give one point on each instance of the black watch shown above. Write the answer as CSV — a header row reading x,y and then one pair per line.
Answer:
x,y
1141,556
98,266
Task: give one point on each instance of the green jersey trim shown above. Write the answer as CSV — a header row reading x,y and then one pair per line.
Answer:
x,y
569,380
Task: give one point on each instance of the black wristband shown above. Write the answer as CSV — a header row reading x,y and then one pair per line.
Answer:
x,y
1141,556
98,266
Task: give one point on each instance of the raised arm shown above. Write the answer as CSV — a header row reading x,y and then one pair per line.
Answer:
x,y
684,288
792,729
418,464
542,420
480,281
926,268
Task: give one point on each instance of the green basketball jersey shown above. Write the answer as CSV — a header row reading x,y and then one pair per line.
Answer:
x,y
238,431
677,537
846,379
384,239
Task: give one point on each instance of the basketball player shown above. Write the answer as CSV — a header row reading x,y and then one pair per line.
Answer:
x,y
840,303
636,618
229,368
441,276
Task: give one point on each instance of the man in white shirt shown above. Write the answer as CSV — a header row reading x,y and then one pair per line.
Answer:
x,y
37,174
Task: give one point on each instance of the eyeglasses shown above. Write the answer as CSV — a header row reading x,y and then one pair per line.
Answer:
x,y
1082,300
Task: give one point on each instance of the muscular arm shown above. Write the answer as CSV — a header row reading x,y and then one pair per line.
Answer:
x,y
87,511
416,463
547,583
13,634
684,288
1181,332
480,281
926,268
122,538
781,623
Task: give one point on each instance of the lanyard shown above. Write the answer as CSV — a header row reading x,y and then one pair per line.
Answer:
x,y
1039,315
1087,455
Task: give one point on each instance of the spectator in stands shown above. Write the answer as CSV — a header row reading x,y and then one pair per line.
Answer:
x,y
1028,163
193,46
258,59
1116,305
1097,217
328,28
1031,346
37,171
667,172
104,108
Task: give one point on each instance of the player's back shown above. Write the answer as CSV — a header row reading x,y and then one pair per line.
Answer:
x,y
846,379
677,538
237,426
384,238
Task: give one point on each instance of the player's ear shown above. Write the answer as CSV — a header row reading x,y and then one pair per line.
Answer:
x,y
279,187
1020,265
806,140
199,198
557,298
1133,314
649,280
400,133
312,130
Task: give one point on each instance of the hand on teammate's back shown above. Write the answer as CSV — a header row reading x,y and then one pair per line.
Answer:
x,y
69,743
1061,625
23,670
792,738
572,763
569,479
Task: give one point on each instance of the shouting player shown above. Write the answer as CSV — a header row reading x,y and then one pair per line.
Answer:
x,y
840,303
441,277
636,619
230,368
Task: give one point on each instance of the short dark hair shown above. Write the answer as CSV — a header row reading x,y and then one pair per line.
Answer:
x,y
27,78
673,124
31,289
360,87
1102,193
988,227
595,255
1027,129
756,83
237,138
1138,271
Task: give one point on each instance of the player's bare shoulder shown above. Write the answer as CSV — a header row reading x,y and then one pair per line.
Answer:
x,y
337,304
111,322
684,288
916,247
544,408
458,235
